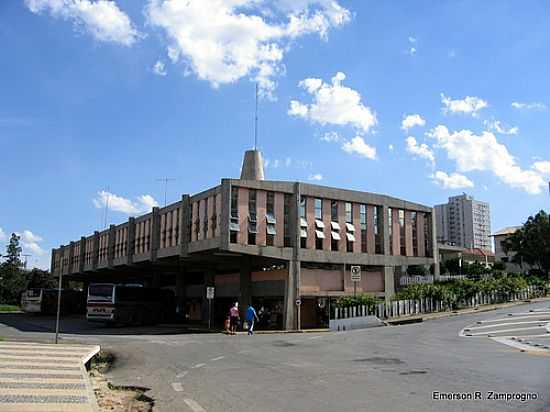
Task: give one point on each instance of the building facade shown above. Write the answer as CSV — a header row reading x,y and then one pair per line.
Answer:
x,y
507,257
287,246
464,222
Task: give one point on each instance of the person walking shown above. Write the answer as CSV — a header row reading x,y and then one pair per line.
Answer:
x,y
234,318
250,317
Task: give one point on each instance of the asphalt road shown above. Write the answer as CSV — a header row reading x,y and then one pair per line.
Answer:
x,y
395,368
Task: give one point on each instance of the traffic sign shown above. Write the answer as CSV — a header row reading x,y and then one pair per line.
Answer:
x,y
298,302
210,292
356,273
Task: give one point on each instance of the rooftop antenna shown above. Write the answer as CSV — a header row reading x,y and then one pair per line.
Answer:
x,y
106,206
165,180
256,120
25,263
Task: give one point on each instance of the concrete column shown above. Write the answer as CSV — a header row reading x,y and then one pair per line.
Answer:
x,y
389,282
209,277
95,250
245,282
111,246
131,240
291,315
71,254
184,225
224,213
82,254
155,233
156,280
180,290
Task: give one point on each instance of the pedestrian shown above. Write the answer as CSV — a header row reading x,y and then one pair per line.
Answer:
x,y
250,317
234,318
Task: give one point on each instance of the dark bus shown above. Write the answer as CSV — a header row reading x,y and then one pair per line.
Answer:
x,y
44,301
128,304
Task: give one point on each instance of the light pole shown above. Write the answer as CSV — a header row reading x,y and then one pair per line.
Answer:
x,y
58,304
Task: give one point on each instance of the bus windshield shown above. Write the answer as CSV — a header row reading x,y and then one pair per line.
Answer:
x,y
101,293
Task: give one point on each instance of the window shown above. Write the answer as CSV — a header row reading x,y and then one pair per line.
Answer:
x,y
319,236
286,221
363,226
349,214
334,210
318,209
378,230
234,226
390,229
402,244
302,207
414,233
270,219
252,217
334,238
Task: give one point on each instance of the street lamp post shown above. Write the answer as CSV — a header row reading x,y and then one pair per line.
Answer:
x,y
58,304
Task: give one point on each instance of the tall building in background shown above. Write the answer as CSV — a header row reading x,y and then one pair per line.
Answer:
x,y
465,222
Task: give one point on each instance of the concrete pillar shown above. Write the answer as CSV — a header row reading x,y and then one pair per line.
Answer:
x,y
435,247
291,315
155,233
245,281
95,249
131,240
82,254
180,290
389,285
111,246
184,225
71,254
225,213
209,278
385,230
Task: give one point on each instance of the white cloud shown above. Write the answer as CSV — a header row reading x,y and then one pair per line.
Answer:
x,y
543,167
333,104
468,105
412,39
223,41
412,51
102,18
316,176
412,48
483,152
498,127
116,203
358,146
422,150
159,68
390,147
452,181
331,137
529,106
411,121
31,243
3,235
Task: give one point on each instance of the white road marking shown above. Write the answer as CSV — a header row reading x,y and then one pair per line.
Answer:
x,y
315,337
529,313
182,374
532,316
504,331
541,323
177,386
194,405
199,365
217,358
519,345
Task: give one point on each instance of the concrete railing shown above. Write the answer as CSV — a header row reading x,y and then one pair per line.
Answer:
x,y
411,307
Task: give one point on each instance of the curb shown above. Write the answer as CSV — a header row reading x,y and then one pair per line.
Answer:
x,y
478,309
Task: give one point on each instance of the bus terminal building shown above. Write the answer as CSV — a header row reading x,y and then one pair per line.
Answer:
x,y
284,246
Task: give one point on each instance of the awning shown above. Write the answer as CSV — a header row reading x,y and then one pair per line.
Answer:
x,y
303,222
270,219
351,237
234,227
303,233
350,227
334,226
271,229
252,228
335,235
319,234
319,224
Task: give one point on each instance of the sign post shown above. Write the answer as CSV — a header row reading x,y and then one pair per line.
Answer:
x,y
209,296
355,277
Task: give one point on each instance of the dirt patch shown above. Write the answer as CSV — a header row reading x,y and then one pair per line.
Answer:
x,y
114,398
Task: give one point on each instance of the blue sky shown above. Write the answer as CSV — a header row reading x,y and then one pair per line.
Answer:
x,y
102,97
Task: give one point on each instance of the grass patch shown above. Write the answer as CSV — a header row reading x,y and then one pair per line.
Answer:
x,y
9,308
102,362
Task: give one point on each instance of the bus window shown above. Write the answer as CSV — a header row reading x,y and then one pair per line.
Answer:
x,y
100,293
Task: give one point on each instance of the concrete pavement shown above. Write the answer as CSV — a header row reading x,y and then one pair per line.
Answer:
x,y
45,378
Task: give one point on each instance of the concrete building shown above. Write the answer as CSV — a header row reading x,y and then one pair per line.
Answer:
x,y
468,256
287,246
506,257
464,222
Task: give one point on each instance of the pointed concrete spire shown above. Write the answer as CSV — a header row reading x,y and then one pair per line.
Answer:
x,y
253,166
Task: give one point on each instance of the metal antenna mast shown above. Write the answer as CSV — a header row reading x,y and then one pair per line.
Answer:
x,y
256,120
106,207
165,180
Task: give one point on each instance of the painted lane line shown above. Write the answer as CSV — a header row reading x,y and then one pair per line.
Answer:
x,y
195,407
503,331
199,365
177,386
520,346
217,358
182,374
315,337
533,316
529,313
471,328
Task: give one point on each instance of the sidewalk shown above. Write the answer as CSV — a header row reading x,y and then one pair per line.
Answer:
x,y
45,378
481,308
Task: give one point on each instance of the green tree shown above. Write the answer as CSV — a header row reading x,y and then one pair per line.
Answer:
x,y
531,243
40,279
12,276
417,270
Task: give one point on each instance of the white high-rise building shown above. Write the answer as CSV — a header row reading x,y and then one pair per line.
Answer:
x,y
465,222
